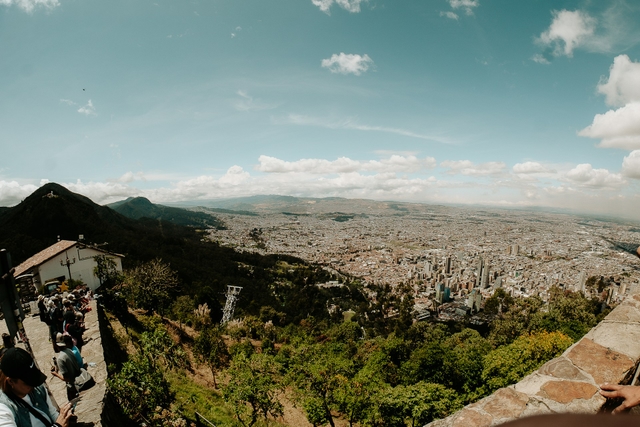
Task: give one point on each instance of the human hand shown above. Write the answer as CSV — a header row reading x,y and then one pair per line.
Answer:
x,y
64,419
630,395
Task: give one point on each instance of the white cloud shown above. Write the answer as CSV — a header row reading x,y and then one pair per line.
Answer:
x,y
248,103
30,5
616,128
348,63
103,192
394,163
623,84
467,5
450,15
12,192
65,101
348,123
352,6
631,165
88,109
540,59
568,31
467,167
530,168
585,175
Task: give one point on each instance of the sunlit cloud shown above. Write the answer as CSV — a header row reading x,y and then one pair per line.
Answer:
x,y
585,175
568,30
619,128
467,167
530,168
616,128
394,163
352,6
631,165
343,63
451,15
466,5
623,84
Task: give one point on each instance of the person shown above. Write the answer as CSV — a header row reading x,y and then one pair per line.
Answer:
x,y
629,394
68,370
24,401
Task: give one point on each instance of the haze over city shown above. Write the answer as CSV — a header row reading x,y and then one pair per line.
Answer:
x,y
509,104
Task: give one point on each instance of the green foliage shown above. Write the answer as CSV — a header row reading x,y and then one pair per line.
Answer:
x,y
508,364
140,388
253,388
318,372
417,404
106,270
182,309
210,348
158,346
151,286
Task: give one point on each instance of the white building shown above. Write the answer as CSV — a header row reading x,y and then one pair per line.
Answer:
x,y
63,260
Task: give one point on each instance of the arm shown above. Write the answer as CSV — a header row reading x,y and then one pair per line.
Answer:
x,y
6,416
630,395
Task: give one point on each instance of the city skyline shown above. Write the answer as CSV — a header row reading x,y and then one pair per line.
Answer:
x,y
447,101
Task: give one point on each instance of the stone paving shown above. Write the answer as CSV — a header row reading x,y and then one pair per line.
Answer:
x,y
569,383
89,409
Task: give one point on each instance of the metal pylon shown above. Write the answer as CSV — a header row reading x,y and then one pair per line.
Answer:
x,y
229,307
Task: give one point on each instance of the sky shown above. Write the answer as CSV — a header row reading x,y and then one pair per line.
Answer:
x,y
502,103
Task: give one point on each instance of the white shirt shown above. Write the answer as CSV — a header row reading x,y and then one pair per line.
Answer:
x,y
7,419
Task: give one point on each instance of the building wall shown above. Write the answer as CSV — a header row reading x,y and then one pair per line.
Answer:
x,y
81,269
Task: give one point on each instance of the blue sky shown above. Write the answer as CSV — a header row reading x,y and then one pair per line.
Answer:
x,y
506,103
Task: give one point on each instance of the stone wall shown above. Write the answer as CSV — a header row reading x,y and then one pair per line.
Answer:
x,y
569,383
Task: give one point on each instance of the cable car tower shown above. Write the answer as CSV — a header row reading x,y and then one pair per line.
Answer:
x,y
229,307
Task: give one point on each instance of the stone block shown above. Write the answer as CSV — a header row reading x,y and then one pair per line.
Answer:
x,y
627,313
620,337
472,418
567,391
506,403
564,369
603,364
531,383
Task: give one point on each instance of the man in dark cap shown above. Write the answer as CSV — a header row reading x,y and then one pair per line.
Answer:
x,y
24,401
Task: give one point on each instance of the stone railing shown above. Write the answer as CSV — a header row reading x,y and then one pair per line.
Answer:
x,y
569,383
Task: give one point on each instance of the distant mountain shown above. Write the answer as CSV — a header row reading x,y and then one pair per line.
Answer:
x,y
205,268
140,207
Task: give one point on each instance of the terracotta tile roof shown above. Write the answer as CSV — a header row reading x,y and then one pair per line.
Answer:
x,y
43,256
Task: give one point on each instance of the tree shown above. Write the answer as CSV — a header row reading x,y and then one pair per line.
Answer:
x,y
510,363
210,348
253,388
318,372
182,309
106,270
416,404
151,286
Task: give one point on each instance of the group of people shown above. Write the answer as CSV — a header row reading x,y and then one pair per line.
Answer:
x,y
64,314
24,399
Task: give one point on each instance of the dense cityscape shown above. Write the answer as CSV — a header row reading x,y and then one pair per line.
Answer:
x,y
456,257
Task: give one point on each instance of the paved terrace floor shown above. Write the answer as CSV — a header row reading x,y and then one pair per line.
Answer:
x,y
89,409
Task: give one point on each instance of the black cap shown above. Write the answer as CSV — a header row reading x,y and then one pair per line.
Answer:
x,y
17,363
